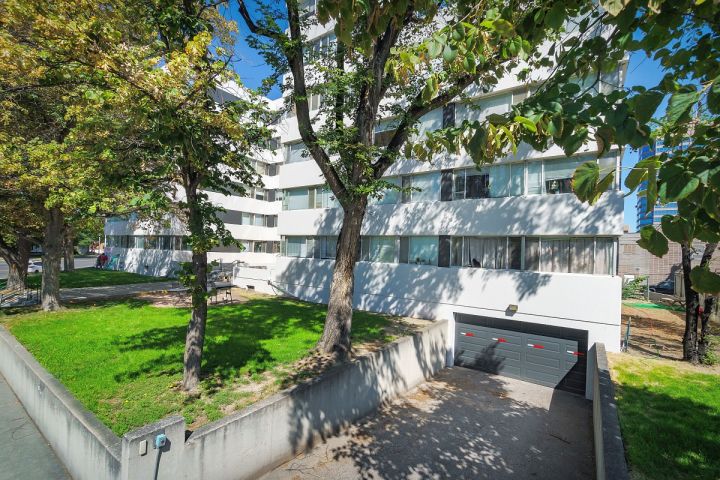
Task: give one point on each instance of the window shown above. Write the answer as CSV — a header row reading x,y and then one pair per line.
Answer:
x,y
517,179
532,253
608,165
166,242
295,199
428,185
456,252
515,253
534,178
389,196
296,247
306,8
499,180
323,47
259,220
316,101
274,143
327,247
604,256
296,152
247,218
259,193
471,183
422,251
151,242
558,174
378,249
485,252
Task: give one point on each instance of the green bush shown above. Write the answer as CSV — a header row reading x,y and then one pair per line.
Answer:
x,y
635,288
711,356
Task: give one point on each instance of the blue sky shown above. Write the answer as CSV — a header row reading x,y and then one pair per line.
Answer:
x,y
641,71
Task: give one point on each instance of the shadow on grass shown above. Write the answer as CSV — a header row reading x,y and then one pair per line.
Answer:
x,y
238,338
669,437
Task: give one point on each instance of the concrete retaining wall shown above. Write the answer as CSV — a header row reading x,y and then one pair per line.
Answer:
x,y
87,447
239,446
610,460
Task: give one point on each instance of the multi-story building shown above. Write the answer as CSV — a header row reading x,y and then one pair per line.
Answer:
x,y
157,249
525,272
654,216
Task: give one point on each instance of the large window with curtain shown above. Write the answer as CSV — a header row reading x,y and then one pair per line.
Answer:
x,y
419,250
379,249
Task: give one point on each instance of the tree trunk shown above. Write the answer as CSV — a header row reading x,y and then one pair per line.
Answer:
x,y
692,304
69,249
708,312
52,252
336,335
195,337
17,257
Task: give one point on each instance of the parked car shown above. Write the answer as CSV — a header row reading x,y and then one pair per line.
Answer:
x,y
34,267
666,286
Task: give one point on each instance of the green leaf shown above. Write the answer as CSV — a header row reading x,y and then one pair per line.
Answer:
x,y
614,7
573,143
585,180
449,54
677,228
434,48
555,126
678,186
680,105
653,241
705,281
555,17
526,122
645,104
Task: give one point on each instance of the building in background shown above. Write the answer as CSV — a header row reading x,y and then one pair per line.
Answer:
x,y
152,249
654,216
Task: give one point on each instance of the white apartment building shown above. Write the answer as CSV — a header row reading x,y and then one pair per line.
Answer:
x,y
152,249
526,273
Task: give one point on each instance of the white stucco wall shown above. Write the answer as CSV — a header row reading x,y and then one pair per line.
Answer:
x,y
524,215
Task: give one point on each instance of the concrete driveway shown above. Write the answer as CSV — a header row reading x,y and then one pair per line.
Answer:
x,y
463,424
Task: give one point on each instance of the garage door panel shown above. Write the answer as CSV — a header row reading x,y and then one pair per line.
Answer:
x,y
554,363
542,354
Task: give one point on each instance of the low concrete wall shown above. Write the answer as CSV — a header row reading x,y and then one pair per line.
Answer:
x,y
610,460
257,279
240,446
87,447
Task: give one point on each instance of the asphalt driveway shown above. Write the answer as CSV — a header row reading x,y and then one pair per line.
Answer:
x,y
463,424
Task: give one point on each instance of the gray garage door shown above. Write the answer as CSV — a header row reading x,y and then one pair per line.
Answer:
x,y
551,356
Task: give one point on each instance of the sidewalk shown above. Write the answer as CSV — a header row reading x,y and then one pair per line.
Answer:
x,y
90,293
25,454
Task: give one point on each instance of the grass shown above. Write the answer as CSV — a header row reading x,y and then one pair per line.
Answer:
x,y
123,359
670,418
651,305
94,277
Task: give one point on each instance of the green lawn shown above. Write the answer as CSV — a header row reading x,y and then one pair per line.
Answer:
x,y
670,418
94,277
123,360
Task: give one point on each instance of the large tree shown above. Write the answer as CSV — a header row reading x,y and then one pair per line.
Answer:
x,y
683,36
401,60
149,114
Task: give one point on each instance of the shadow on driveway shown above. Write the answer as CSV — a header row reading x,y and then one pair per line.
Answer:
x,y
462,424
